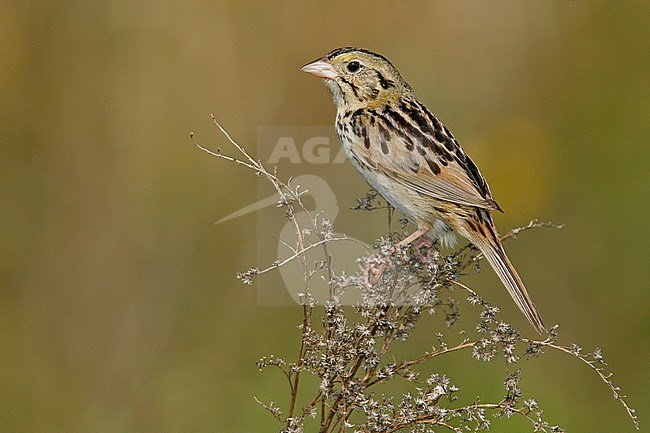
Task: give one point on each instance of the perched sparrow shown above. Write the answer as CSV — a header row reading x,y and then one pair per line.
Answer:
x,y
407,155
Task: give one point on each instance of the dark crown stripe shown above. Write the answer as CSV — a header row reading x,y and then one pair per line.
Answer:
x,y
344,50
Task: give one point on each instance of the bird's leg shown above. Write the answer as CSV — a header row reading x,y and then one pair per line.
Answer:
x,y
374,271
418,240
413,236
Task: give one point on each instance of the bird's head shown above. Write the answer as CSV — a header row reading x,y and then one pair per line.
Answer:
x,y
359,78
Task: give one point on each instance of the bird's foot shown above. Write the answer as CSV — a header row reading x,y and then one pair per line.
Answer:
x,y
375,268
377,264
422,248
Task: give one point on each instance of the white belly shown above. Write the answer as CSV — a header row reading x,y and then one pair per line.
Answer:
x,y
418,209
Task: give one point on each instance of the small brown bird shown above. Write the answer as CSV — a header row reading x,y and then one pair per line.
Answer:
x,y
407,155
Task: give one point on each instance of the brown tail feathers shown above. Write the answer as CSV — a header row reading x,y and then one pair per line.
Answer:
x,y
493,251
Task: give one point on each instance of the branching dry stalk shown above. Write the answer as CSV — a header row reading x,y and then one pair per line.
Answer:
x,y
348,351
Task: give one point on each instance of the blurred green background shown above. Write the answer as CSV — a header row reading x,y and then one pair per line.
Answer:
x,y
119,307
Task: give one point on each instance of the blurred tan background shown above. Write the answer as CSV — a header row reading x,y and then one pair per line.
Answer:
x,y
119,307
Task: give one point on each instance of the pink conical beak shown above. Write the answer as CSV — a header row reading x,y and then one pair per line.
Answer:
x,y
321,68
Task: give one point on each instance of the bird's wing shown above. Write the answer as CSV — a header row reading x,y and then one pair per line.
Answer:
x,y
416,149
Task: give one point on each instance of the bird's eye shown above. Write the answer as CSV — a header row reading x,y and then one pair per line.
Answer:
x,y
354,66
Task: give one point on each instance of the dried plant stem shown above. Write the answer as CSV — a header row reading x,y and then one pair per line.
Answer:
x,y
593,364
348,354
